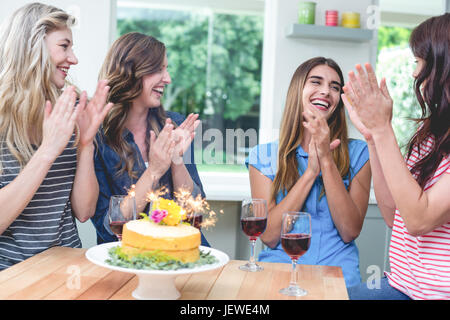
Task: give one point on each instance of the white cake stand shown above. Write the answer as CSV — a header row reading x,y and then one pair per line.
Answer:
x,y
154,284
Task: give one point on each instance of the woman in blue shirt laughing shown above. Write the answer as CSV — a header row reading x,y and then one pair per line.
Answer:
x,y
314,167
140,143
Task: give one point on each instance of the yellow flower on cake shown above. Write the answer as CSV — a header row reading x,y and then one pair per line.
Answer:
x,y
175,214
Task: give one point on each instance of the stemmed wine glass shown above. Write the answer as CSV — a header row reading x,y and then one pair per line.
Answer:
x,y
295,240
253,223
122,208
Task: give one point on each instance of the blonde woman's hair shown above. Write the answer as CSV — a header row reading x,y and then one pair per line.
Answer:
x,y
25,76
131,57
292,130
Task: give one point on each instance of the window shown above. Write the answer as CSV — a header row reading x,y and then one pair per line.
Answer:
x,y
395,61
396,64
214,60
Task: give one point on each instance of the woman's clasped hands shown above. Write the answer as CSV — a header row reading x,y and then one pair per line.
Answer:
x,y
169,146
320,146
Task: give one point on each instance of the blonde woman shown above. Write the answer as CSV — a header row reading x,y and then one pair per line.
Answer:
x,y
47,172
140,143
314,167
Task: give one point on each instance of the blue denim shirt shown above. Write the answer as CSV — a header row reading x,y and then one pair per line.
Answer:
x,y
112,183
327,246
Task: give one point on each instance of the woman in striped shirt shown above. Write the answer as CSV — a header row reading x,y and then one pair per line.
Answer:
x,y
413,197
47,172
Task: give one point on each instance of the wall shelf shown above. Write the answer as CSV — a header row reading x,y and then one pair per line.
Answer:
x,y
317,32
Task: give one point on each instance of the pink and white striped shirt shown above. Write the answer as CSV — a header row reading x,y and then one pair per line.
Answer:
x,y
420,266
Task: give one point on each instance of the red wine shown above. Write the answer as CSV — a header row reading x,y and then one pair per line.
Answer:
x,y
253,226
117,227
295,244
195,221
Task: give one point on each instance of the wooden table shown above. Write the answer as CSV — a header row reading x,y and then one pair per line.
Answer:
x,y
65,274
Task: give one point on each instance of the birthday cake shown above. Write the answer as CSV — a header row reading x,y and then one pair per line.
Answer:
x,y
162,239
180,242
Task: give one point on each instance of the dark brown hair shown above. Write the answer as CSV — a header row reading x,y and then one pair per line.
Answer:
x,y
291,131
430,41
130,58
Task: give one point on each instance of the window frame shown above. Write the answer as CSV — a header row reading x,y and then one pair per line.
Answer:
x,y
218,186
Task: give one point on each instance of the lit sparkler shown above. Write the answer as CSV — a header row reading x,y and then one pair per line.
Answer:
x,y
196,206
131,191
153,196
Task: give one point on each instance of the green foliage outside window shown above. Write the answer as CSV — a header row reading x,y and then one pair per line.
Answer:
x,y
215,66
214,61
396,64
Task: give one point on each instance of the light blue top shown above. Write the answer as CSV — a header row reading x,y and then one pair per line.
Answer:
x,y
327,247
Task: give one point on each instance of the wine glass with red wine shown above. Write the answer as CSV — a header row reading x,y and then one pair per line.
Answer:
x,y
195,219
253,223
295,240
122,208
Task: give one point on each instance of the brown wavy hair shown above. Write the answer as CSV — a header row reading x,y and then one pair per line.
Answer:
x,y
430,41
130,58
292,130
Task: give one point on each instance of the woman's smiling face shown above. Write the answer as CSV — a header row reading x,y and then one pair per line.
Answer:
x,y
59,44
153,87
322,90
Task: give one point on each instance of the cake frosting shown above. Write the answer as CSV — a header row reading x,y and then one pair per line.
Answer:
x,y
181,242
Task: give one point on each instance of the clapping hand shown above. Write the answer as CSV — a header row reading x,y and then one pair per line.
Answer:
x,y
313,159
355,119
92,113
320,145
59,123
371,105
161,150
183,136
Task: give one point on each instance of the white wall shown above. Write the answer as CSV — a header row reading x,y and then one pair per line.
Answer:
x,y
282,55
408,14
92,36
429,7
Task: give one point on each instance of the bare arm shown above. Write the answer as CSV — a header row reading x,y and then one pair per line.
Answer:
x,y
181,178
144,185
421,211
347,208
85,188
382,193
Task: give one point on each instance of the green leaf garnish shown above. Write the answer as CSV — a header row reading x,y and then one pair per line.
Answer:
x,y
154,260
144,216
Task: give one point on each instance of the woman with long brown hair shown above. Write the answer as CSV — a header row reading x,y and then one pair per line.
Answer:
x,y
314,167
412,193
140,143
